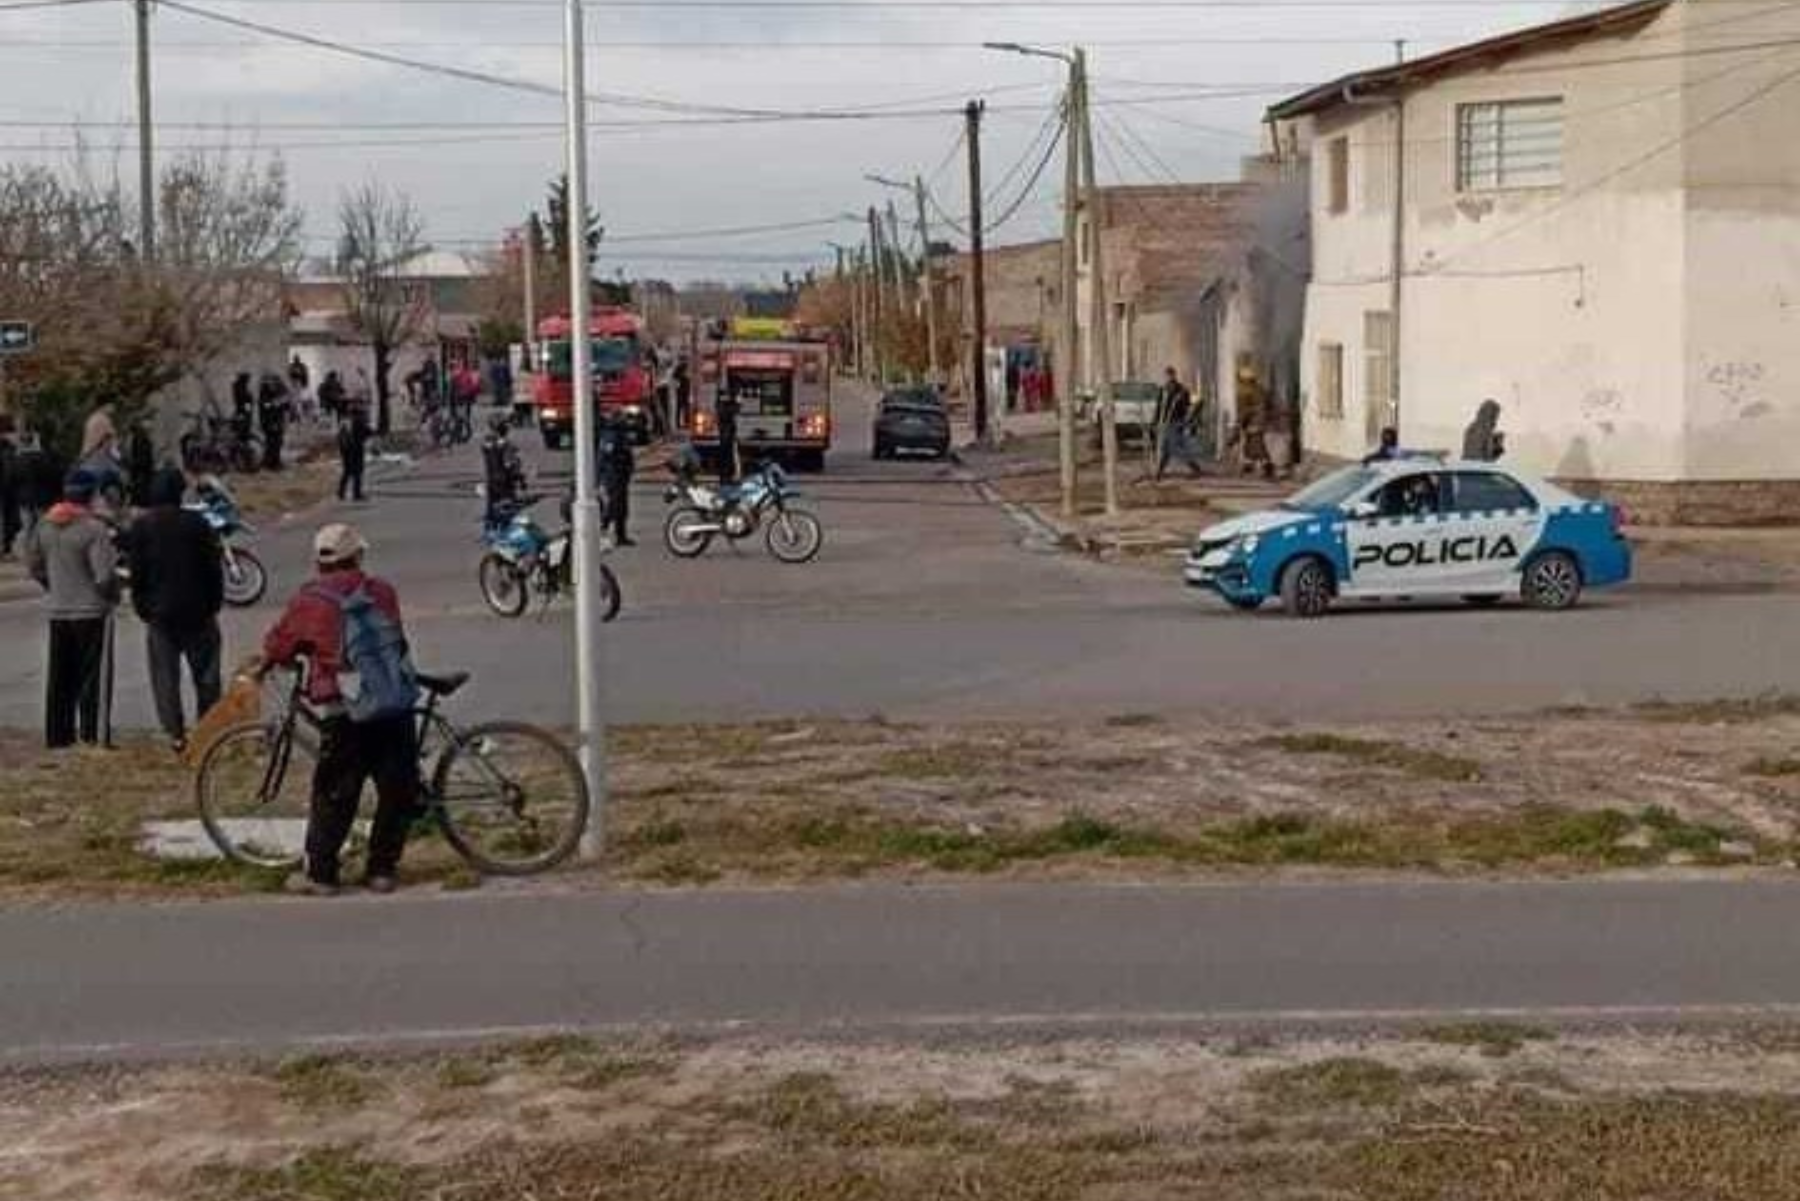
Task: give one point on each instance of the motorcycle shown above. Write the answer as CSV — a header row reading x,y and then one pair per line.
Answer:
x,y
760,501
523,558
245,577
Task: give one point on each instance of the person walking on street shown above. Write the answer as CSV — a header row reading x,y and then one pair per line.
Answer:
x,y
12,487
178,589
299,379
353,449
346,623
71,554
727,411
618,462
1482,440
331,396
1174,410
272,412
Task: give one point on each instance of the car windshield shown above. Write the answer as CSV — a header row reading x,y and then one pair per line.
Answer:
x,y
610,355
1331,491
921,399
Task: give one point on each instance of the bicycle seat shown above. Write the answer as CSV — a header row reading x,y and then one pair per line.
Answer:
x,y
444,685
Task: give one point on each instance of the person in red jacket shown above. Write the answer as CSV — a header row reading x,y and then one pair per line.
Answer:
x,y
351,753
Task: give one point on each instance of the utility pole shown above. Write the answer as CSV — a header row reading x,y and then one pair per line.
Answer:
x,y
876,307
1100,365
529,261
590,697
897,264
1071,328
1396,287
146,146
978,381
926,285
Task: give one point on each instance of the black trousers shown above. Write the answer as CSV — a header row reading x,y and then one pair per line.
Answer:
x,y
350,755
274,433
350,479
76,681
618,505
167,648
12,521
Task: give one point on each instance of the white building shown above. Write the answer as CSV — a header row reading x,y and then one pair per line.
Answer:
x,y
1596,223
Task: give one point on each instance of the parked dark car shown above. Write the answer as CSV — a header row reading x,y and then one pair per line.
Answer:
x,y
911,419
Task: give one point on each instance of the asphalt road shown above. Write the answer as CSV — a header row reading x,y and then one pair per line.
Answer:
x,y
926,604
130,981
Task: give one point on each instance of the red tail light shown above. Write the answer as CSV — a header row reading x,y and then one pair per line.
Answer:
x,y
705,423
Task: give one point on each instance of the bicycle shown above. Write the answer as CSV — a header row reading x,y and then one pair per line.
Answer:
x,y
509,797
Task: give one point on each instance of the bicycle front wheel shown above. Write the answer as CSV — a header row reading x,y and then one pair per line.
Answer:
x,y
254,790
513,798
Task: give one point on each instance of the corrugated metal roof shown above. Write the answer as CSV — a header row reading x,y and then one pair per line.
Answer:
x,y
1621,20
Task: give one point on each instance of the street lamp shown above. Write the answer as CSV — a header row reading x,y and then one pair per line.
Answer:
x,y
1074,115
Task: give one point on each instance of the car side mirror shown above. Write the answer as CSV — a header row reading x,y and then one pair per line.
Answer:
x,y
1363,509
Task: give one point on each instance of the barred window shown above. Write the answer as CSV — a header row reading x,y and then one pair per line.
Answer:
x,y
1509,144
1331,380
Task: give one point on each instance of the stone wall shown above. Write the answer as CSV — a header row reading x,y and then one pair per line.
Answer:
x,y
1699,502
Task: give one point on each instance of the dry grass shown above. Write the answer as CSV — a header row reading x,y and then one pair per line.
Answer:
x,y
1290,1120
1131,797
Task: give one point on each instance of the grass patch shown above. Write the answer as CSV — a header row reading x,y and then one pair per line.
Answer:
x,y
1773,767
1494,1039
1133,721
322,1174
1730,711
576,1061
1332,1083
1396,756
464,1073
321,1082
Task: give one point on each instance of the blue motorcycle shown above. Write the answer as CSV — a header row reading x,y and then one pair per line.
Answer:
x,y
245,577
523,558
760,502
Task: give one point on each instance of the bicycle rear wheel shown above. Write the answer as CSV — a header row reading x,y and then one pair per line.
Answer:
x,y
513,799
254,789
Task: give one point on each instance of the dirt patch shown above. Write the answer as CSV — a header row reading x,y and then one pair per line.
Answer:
x,y
1562,1119
1707,785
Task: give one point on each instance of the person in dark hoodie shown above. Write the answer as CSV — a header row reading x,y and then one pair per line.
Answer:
x,y
1482,440
178,589
70,552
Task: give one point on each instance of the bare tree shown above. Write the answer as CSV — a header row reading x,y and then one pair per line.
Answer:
x,y
380,232
113,329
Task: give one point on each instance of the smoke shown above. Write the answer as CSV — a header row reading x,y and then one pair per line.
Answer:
x,y
1279,264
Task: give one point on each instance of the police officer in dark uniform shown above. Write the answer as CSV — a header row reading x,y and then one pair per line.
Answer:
x,y
617,462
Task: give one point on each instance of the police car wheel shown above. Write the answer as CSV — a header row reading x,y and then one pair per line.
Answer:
x,y
1552,582
1306,588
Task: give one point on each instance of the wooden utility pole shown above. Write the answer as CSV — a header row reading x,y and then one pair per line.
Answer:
x,y
978,379
146,147
875,293
528,259
1100,364
927,286
1067,353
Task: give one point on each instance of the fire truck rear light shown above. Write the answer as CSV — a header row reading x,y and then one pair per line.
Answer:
x,y
705,423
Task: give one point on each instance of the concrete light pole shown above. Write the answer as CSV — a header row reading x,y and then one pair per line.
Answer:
x,y
1068,353
1100,365
589,665
146,146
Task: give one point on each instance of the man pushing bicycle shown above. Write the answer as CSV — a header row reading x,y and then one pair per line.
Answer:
x,y
362,684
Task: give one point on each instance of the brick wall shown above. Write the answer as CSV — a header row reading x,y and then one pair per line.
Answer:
x,y
1699,502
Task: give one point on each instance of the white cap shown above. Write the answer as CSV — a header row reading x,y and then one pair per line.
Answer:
x,y
338,543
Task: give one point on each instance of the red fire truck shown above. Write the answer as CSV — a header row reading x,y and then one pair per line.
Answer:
x,y
780,376
623,382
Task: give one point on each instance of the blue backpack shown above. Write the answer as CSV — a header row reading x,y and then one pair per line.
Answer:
x,y
377,677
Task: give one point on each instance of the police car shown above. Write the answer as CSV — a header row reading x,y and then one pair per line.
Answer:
x,y
1415,527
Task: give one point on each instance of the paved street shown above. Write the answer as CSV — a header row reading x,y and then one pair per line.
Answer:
x,y
128,980
926,603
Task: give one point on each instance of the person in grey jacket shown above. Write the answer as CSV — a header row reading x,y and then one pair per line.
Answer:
x,y
71,553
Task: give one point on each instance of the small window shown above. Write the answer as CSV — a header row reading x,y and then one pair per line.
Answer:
x,y
1337,175
1487,492
1510,144
1331,380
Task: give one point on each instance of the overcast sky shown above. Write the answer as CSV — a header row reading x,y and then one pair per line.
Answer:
x,y
64,67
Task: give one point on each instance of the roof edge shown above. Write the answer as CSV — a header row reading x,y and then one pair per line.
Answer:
x,y
1620,19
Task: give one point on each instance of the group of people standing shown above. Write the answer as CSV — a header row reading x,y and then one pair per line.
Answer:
x,y
76,553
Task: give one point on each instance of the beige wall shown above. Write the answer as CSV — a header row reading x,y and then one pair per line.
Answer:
x,y
1636,322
